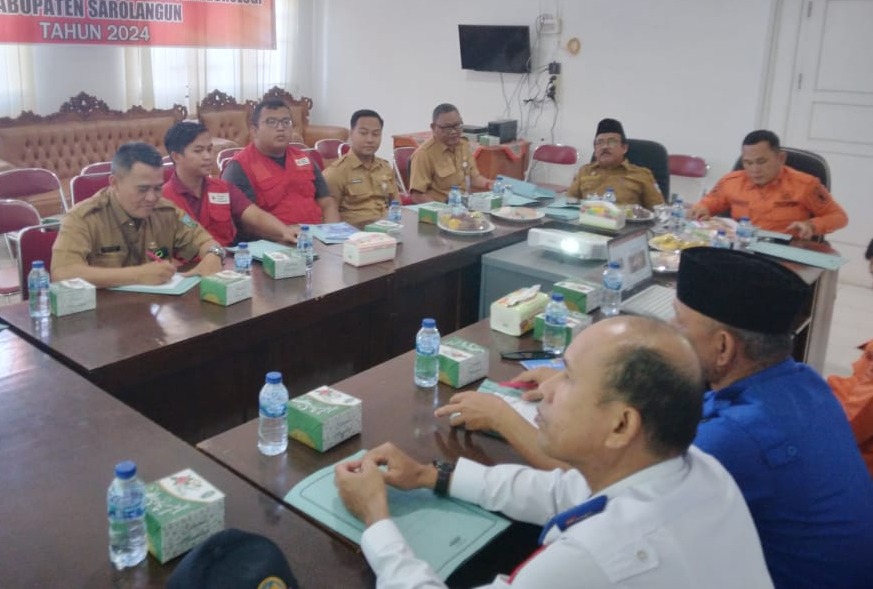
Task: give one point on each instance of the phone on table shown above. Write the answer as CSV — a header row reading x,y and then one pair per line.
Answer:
x,y
528,355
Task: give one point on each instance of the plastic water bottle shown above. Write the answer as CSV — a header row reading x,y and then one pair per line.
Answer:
x,y
427,354
125,506
745,234
272,419
612,279
554,331
720,240
394,214
454,200
38,285
242,259
677,215
304,246
609,195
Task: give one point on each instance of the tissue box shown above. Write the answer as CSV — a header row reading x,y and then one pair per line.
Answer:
x,y
369,248
576,322
580,296
323,418
489,140
393,229
462,362
285,263
601,214
429,212
182,510
225,288
484,201
518,318
72,296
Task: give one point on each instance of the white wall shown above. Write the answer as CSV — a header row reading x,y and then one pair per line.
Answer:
x,y
687,73
62,71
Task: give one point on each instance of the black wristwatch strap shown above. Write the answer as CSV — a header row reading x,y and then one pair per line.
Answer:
x,y
444,475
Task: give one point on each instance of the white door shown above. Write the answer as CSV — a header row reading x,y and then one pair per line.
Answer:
x,y
831,104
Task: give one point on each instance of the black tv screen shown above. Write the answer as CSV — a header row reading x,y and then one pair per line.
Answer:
x,y
495,48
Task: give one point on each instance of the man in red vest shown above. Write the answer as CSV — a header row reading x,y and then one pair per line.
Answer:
x,y
281,179
221,208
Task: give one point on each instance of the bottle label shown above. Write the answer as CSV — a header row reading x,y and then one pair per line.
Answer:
x,y
277,411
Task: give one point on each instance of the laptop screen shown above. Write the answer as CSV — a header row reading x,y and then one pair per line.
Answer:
x,y
632,252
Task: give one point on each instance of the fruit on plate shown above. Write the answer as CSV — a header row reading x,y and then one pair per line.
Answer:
x,y
464,221
670,242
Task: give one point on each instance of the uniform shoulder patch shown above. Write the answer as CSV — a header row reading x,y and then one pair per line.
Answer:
x,y
187,221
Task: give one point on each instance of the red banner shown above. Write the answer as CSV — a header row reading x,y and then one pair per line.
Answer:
x,y
179,23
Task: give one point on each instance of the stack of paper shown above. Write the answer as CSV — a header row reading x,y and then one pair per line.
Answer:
x,y
330,233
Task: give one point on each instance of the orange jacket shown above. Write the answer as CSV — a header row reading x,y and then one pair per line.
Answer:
x,y
791,196
855,394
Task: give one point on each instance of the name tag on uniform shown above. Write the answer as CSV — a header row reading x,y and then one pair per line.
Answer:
x,y
356,181
304,161
110,249
219,198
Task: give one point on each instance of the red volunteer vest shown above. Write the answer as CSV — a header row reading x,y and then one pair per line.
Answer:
x,y
287,193
215,215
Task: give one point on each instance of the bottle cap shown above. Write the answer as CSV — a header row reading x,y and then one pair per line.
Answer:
x,y
614,265
395,202
304,228
557,297
428,322
456,187
125,470
243,245
744,219
38,264
720,232
274,377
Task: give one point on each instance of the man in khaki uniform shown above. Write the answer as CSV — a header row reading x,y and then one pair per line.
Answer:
x,y
105,238
633,185
360,182
445,160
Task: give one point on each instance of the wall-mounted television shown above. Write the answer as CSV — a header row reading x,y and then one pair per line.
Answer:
x,y
487,48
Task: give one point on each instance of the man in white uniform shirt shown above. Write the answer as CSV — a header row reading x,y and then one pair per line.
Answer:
x,y
638,508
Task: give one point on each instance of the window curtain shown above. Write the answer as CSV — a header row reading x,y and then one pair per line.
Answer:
x,y
163,76
16,79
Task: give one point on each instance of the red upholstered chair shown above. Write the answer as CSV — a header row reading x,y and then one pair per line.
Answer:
x,y
344,148
328,148
85,186
689,166
23,182
225,155
316,157
168,171
14,216
402,168
552,154
35,243
98,168
300,146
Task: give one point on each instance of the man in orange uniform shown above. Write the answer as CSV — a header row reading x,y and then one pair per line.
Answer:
x,y
279,178
774,196
855,394
219,207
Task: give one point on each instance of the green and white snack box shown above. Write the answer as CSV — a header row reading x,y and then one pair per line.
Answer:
x,y
323,418
285,263
462,362
72,296
225,288
484,201
393,229
576,322
580,295
513,314
429,212
182,510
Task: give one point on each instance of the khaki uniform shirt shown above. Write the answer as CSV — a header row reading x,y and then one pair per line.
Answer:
x,y
362,191
633,185
437,167
98,232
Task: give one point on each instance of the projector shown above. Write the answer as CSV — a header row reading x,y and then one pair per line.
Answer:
x,y
578,244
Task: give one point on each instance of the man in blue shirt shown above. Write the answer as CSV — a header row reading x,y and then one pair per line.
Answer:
x,y
774,423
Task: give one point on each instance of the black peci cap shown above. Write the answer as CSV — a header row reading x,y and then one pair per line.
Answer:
x,y
610,126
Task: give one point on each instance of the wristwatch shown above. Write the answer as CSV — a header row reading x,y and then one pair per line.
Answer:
x,y
444,475
218,251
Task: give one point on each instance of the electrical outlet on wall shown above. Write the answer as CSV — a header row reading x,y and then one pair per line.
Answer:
x,y
549,24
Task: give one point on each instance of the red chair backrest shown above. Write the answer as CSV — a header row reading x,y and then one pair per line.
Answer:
x,y
556,154
17,214
689,166
328,148
344,148
168,172
226,154
35,243
85,186
98,168
298,145
316,157
402,159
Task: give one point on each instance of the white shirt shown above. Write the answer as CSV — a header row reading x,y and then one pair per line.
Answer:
x,y
679,523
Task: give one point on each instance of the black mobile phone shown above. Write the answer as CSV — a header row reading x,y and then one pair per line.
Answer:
x,y
528,355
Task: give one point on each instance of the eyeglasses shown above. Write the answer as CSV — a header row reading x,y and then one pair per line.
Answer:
x,y
611,142
456,128
276,123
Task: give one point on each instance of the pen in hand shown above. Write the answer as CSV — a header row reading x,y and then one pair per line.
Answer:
x,y
153,257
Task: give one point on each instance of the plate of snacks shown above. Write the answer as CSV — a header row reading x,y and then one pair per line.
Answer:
x,y
670,242
637,214
464,223
518,214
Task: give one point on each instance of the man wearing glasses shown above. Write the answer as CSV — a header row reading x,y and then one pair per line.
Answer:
x,y
445,160
633,185
279,178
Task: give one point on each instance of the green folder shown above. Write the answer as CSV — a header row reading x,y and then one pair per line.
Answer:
x,y
796,254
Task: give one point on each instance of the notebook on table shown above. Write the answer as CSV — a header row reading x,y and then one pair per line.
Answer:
x,y
639,293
